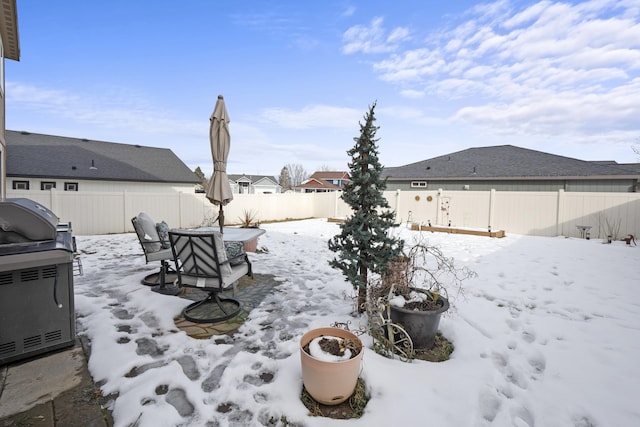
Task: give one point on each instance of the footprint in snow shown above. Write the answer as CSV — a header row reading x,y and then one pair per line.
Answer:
x,y
489,405
150,347
122,314
506,390
522,417
516,377
212,382
189,367
582,420
529,336
149,319
538,363
514,325
178,399
125,328
499,360
137,370
262,378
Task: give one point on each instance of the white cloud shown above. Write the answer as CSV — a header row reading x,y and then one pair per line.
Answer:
x,y
412,65
568,114
551,68
349,11
398,34
409,115
116,109
37,97
526,16
311,116
413,94
373,38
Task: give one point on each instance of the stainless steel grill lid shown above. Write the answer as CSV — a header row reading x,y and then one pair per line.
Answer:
x,y
24,220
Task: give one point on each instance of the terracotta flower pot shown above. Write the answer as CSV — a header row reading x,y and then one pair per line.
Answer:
x,y
330,383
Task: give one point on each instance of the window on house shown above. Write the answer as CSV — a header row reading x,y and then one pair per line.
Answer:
x,y
418,184
20,185
70,186
47,185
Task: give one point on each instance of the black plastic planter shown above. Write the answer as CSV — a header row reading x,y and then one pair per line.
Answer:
x,y
422,326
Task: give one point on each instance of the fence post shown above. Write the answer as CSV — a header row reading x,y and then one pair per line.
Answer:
x,y
125,210
53,199
559,212
436,220
492,207
180,209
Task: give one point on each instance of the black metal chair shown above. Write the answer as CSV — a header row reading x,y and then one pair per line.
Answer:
x,y
161,282
201,262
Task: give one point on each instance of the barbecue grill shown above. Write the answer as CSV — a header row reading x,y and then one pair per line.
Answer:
x,y
36,281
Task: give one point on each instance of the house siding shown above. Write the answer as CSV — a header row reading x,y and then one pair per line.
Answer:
x,y
101,186
510,168
612,185
246,184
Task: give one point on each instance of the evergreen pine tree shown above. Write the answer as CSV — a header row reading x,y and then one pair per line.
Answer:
x,y
364,244
200,174
285,179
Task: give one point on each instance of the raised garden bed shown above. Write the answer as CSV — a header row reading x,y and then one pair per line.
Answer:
x,y
453,230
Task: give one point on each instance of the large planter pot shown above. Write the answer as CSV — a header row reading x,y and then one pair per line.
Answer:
x,y
330,383
251,245
422,326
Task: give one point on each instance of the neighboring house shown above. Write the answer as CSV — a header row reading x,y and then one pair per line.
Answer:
x,y
510,168
37,162
321,182
9,49
254,184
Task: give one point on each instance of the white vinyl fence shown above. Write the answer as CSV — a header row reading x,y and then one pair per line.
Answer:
x,y
532,213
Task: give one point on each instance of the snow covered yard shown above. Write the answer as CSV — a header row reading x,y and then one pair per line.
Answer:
x,y
548,334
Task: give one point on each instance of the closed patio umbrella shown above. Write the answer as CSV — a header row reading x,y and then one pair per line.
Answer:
x,y
218,190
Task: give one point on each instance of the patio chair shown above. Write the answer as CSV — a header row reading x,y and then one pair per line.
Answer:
x,y
161,282
77,262
201,262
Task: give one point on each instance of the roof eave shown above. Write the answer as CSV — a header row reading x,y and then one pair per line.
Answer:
x,y
9,30
502,178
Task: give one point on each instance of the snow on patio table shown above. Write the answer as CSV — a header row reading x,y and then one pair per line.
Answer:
x,y
547,334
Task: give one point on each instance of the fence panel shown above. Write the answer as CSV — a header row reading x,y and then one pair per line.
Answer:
x,y
526,212
615,214
534,213
467,209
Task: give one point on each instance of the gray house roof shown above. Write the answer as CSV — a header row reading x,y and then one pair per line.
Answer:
x,y
507,161
48,156
252,178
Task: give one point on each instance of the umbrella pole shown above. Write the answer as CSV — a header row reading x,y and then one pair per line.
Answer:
x,y
221,219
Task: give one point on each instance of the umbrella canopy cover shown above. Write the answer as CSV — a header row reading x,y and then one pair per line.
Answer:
x,y
218,190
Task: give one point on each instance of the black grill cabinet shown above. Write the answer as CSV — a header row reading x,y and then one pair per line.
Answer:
x,y
36,281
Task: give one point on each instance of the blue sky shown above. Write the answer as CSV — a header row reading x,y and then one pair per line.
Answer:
x,y
298,76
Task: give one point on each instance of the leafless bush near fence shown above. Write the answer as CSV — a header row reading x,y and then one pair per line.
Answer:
x,y
608,226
